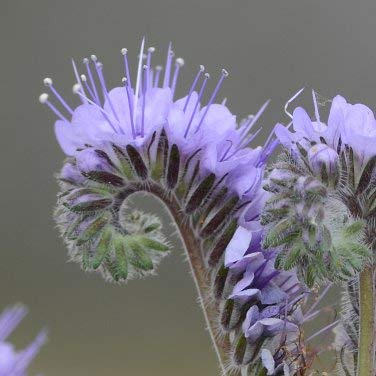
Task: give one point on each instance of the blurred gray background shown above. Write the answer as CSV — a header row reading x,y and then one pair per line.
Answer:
x,y
271,49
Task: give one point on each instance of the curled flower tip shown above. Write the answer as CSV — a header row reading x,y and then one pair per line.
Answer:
x,y
47,81
43,98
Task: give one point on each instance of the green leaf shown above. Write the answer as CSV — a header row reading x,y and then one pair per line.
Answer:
x,y
121,258
152,244
354,229
139,257
93,229
102,248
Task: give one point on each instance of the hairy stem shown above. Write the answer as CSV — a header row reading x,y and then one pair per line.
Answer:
x,y
367,332
196,261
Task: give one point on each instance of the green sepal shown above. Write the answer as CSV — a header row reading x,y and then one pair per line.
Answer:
x,y
103,248
93,229
139,258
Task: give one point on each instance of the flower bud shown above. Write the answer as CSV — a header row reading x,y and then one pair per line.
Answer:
x,y
320,156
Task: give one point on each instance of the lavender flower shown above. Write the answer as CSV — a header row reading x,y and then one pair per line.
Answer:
x,y
12,362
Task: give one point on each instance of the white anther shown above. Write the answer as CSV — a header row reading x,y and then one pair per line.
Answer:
x,y
76,88
224,72
99,65
83,78
207,75
202,68
124,51
158,68
180,61
144,67
151,49
47,81
93,58
85,60
124,80
43,98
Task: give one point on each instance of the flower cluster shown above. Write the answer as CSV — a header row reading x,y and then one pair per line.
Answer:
x,y
12,362
198,161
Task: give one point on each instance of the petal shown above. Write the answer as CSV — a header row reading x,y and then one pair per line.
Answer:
x,y
268,361
303,124
67,137
238,245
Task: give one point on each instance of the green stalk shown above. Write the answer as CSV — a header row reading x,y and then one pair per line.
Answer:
x,y
367,330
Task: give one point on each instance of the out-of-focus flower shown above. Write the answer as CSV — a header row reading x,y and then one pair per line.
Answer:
x,y
13,362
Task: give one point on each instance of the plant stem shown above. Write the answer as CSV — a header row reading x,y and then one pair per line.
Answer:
x,y
197,264
367,332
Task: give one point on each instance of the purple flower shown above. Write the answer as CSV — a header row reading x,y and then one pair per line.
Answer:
x,y
12,362
348,124
129,115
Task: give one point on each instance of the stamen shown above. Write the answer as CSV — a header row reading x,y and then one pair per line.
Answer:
x,y
148,61
253,120
138,82
124,52
158,70
178,64
170,55
144,99
78,79
224,101
77,90
292,99
130,106
207,76
227,150
201,70
84,80
317,114
92,82
98,67
215,92
48,82
43,98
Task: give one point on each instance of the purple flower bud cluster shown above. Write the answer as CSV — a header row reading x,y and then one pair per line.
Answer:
x,y
348,124
12,362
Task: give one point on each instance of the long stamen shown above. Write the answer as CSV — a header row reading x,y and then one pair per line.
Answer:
x,y
138,82
130,107
78,79
124,52
43,98
193,86
323,330
227,150
158,70
207,76
290,100
178,64
76,90
92,82
98,68
48,82
146,72
170,55
90,92
317,114
253,120
148,61
215,92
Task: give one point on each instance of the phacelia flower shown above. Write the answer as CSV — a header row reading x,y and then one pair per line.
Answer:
x,y
12,362
197,160
322,205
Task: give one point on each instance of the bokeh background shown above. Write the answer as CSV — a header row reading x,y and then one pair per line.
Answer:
x,y
271,49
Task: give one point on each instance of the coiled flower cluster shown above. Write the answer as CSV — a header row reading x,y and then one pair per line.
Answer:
x,y
197,161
